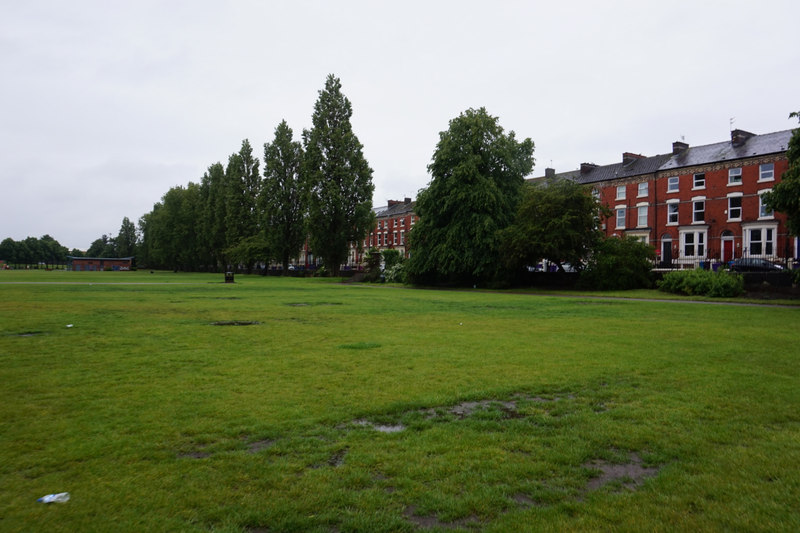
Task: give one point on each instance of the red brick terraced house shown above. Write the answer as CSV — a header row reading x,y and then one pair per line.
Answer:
x,y
698,206
392,224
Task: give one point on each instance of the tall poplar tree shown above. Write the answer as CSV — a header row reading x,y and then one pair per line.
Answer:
x,y
338,176
126,239
214,215
282,196
243,181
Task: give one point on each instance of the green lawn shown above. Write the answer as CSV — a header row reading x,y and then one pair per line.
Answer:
x,y
346,407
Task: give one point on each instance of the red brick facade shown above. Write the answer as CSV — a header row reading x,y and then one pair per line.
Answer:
x,y
392,226
700,204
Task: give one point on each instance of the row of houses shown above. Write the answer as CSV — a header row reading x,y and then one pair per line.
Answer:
x,y
695,205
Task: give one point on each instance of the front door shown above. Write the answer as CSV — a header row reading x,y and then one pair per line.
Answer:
x,y
727,249
666,253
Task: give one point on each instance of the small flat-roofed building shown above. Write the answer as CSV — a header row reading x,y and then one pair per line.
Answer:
x,y
99,263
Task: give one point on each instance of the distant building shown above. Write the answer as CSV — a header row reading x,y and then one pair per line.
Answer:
x,y
99,263
698,204
392,224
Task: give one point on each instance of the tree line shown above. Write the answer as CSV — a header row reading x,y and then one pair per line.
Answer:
x,y
319,189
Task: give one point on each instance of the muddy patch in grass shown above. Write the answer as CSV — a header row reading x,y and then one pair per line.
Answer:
x,y
236,323
257,446
629,475
432,521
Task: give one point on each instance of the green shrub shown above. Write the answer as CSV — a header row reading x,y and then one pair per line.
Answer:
x,y
619,263
722,284
390,258
395,274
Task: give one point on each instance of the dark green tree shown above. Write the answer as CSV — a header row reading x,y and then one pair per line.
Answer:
x,y
557,220
282,196
214,214
243,180
126,239
105,246
9,251
785,196
339,179
52,253
476,175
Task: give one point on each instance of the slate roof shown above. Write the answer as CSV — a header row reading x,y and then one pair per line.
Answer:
x,y
398,208
636,167
769,143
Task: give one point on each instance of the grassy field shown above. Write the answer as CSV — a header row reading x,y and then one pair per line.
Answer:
x,y
174,402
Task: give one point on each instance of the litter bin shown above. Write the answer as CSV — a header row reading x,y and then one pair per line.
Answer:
x,y
228,277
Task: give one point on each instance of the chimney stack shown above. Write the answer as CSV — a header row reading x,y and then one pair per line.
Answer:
x,y
679,147
587,167
630,157
549,173
739,137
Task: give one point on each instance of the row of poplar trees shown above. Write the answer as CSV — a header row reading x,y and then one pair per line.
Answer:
x,y
238,216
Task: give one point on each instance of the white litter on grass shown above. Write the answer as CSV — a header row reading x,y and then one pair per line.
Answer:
x,y
61,497
69,325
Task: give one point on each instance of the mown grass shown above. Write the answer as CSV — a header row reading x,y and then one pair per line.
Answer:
x,y
504,408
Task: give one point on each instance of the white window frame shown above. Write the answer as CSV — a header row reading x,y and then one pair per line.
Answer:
x,y
673,184
735,176
620,192
402,236
621,214
766,175
698,243
641,212
642,189
673,205
731,217
768,242
695,201
699,181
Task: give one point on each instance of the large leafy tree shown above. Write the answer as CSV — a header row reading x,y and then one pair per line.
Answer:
x,y
9,251
282,196
105,246
338,176
785,196
556,220
476,175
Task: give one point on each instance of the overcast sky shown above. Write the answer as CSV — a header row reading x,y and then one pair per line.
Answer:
x,y
105,105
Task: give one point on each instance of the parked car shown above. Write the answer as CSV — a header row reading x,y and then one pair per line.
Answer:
x,y
754,264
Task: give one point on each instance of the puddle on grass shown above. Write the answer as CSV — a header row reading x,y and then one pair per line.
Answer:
x,y
382,428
